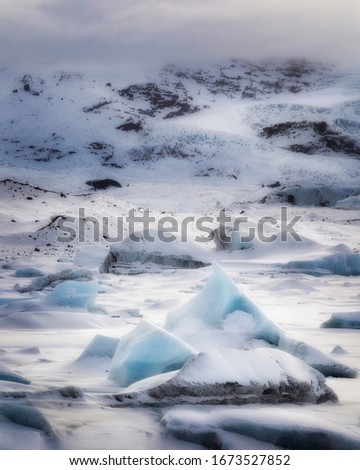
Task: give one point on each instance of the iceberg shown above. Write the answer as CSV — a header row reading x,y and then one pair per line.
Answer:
x,y
28,416
74,294
100,347
284,428
137,254
349,320
41,282
221,314
232,376
218,299
28,272
342,264
147,350
7,375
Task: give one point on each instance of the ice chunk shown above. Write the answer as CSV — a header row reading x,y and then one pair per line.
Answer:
x,y
147,350
138,254
323,196
100,347
53,279
218,299
28,272
9,376
282,427
28,416
316,359
342,264
221,314
338,350
232,376
349,320
218,302
74,294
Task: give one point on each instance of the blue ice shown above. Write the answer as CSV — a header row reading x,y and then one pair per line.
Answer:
x,y
146,351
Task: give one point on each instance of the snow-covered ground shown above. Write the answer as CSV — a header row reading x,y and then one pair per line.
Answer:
x,y
246,138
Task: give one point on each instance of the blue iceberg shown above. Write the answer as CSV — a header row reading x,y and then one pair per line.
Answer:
x,y
146,351
75,294
220,305
342,264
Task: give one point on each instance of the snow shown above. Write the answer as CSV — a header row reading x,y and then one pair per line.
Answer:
x,y
147,350
349,203
90,256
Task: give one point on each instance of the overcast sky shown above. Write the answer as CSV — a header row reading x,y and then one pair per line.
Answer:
x,y
130,34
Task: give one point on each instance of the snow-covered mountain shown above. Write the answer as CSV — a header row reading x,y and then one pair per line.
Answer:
x,y
258,140
199,118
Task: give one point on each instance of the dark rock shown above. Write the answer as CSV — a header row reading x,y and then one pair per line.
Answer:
x,y
320,137
184,108
71,392
274,185
97,145
101,104
131,126
103,184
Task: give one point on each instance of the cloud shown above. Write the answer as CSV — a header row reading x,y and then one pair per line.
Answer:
x,y
149,33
